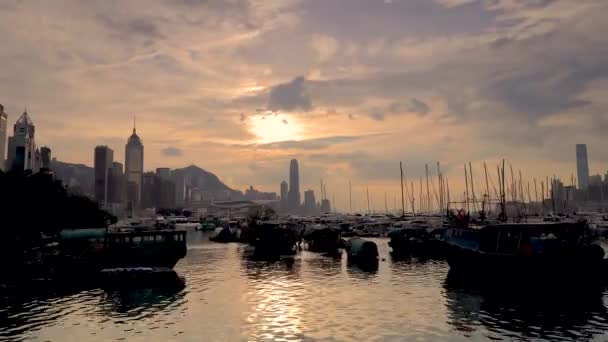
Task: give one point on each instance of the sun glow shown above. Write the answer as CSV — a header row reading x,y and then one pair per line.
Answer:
x,y
275,127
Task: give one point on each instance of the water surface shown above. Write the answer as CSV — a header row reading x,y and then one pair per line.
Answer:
x,y
223,294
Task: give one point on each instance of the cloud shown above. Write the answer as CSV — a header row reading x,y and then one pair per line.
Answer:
x,y
307,144
171,152
284,121
414,106
290,96
325,46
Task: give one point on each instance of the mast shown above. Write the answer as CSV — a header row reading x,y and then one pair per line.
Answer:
x,y
428,193
385,204
421,197
413,198
466,183
553,194
472,187
542,191
513,187
485,170
440,180
402,198
447,186
350,196
535,191
367,190
333,202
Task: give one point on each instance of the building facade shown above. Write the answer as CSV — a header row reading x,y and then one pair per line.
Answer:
x,y
582,166
22,146
294,186
310,203
45,155
103,159
134,170
284,191
116,184
3,128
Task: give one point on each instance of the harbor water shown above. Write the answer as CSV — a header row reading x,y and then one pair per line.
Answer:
x,y
223,294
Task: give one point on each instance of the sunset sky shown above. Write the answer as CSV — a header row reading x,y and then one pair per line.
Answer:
x,y
347,87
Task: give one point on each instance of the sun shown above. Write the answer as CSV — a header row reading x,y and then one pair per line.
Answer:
x,y
275,127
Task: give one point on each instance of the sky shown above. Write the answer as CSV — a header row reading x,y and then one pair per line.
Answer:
x,y
348,87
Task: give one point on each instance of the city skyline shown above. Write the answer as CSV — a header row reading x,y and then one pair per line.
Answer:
x,y
493,80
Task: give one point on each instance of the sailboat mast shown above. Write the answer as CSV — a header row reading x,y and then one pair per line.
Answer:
x,y
350,196
428,193
485,170
466,184
402,198
472,187
367,190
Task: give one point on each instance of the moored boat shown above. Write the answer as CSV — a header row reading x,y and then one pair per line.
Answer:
x,y
524,248
322,238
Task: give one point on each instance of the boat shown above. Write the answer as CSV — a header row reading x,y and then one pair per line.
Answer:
x,y
92,250
360,250
322,238
555,248
230,232
415,238
273,238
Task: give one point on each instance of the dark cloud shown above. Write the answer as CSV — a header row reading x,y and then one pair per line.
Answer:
x,y
141,27
285,121
171,152
290,96
399,108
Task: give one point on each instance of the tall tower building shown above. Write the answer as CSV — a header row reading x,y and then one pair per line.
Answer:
x,y
582,166
294,186
134,169
284,192
104,156
22,147
45,153
116,187
3,126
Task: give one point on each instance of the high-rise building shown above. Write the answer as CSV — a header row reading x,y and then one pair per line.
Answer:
x,y
294,186
116,184
148,190
3,127
134,169
45,155
163,173
165,188
582,166
310,203
22,147
284,192
179,179
104,156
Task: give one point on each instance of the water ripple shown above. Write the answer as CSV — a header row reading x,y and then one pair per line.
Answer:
x,y
224,294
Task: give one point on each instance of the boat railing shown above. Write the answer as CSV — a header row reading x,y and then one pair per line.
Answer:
x,y
142,237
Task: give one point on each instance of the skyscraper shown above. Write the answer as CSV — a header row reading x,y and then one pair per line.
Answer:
x,y
582,166
22,147
104,156
3,126
134,169
284,192
45,153
294,186
116,180
310,204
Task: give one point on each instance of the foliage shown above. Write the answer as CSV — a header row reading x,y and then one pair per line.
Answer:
x,y
31,204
